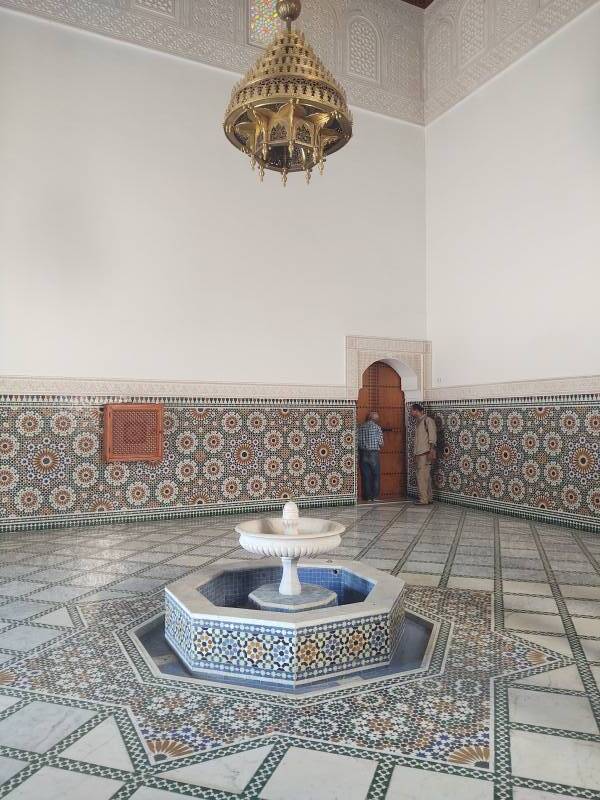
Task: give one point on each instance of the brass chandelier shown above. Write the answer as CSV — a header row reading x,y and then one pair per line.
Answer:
x,y
288,113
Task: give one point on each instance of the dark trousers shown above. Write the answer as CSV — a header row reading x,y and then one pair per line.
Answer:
x,y
370,472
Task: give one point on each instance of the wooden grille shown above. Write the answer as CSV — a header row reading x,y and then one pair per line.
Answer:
x,y
133,432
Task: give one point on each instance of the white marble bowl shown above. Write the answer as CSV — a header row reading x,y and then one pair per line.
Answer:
x,y
267,537
289,540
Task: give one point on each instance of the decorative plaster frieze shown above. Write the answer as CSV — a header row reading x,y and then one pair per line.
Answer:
x,y
411,358
117,387
589,384
468,42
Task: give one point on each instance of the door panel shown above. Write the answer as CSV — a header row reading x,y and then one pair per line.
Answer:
x,y
382,392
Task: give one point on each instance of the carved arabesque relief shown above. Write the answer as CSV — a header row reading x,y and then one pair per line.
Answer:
x,y
375,47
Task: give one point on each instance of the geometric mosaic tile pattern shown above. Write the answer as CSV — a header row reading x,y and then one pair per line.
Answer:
x,y
287,653
509,705
217,454
538,457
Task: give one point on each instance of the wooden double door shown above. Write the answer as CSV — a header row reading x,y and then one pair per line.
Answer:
x,y
382,392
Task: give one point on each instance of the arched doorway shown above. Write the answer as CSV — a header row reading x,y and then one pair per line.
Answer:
x,y
382,392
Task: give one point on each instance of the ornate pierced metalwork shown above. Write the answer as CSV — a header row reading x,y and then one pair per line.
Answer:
x,y
288,113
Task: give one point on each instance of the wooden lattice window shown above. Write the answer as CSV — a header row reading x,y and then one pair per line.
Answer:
x,y
133,432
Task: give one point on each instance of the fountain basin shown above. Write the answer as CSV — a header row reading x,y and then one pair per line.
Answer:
x,y
290,538
212,635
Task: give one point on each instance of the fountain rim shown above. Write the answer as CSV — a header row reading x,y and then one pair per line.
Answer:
x,y
186,592
337,529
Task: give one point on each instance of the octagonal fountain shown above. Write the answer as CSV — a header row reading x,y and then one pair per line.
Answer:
x,y
280,622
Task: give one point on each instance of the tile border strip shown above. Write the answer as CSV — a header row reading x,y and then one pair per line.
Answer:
x,y
78,520
578,522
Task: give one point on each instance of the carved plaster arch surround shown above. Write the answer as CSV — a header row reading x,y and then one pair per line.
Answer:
x,y
410,358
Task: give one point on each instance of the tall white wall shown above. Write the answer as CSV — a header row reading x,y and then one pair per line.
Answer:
x,y
135,242
513,220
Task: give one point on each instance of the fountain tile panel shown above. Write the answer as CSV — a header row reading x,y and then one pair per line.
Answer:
x,y
271,653
536,457
219,456
351,636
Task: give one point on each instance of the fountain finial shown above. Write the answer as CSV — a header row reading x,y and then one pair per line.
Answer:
x,y
290,510
291,518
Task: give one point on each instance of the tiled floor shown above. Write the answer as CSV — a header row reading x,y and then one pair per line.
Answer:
x,y
510,706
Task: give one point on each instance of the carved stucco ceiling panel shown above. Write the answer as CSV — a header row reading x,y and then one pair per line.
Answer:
x,y
392,57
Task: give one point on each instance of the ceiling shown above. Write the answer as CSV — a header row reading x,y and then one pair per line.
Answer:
x,y
393,57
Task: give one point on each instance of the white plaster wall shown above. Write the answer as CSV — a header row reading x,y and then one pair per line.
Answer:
x,y
513,220
136,243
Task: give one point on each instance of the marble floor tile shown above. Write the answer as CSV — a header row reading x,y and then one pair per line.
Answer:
x,y
514,574
92,579
585,626
555,758
59,618
583,607
520,793
9,767
22,609
520,602
430,567
591,648
577,578
420,784
54,574
311,775
524,621
384,564
6,701
148,793
424,555
189,561
474,584
93,564
167,572
138,585
526,587
152,557
103,745
46,560
472,571
60,594
551,710
123,568
25,637
39,726
51,783
564,678
420,578
463,559
17,588
580,592
15,570
228,773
